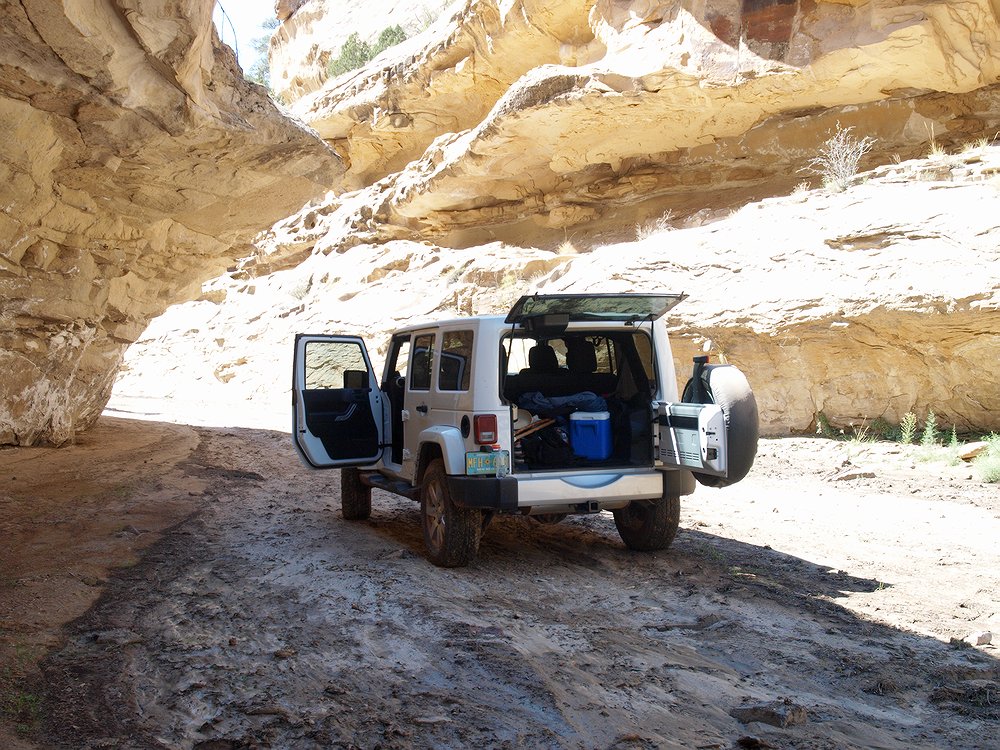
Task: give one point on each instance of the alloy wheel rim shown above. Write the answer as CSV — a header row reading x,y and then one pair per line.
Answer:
x,y
434,513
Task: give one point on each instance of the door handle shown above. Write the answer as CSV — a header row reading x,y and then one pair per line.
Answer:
x,y
422,408
346,415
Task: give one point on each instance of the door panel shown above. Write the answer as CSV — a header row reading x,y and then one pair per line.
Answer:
x,y
337,410
397,369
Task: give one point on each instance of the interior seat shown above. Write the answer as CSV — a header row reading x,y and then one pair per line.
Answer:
x,y
581,362
542,360
542,374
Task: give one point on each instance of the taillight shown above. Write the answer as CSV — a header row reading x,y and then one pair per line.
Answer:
x,y
485,428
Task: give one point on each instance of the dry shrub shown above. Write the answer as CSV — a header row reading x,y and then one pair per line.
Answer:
x,y
839,157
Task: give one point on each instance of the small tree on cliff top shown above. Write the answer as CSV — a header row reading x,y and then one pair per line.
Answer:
x,y
355,52
260,71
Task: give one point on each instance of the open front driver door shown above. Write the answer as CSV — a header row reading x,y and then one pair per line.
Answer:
x,y
336,404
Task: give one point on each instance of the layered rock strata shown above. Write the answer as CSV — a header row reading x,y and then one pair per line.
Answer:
x,y
540,124
518,118
135,162
850,306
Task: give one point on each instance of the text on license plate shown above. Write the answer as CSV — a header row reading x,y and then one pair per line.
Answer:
x,y
478,462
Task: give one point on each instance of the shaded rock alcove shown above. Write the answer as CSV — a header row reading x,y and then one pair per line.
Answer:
x,y
135,162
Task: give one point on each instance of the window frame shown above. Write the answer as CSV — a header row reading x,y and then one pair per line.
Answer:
x,y
415,346
464,383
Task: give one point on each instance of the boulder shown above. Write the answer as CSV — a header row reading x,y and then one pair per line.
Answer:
x,y
971,450
780,713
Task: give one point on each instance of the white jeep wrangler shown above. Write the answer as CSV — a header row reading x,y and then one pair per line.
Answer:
x,y
567,405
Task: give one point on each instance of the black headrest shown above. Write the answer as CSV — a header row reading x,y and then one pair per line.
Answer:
x,y
542,358
580,356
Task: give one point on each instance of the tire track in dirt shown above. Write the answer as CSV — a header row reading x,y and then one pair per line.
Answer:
x,y
268,621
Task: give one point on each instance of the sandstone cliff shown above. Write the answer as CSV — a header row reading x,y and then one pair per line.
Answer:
x,y
866,303
135,162
510,119
509,146
540,124
313,32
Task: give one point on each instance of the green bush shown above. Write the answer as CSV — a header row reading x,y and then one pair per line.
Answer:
x,y
390,36
882,430
824,428
353,55
355,52
930,434
908,428
987,463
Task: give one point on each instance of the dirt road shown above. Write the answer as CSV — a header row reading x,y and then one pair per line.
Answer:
x,y
248,614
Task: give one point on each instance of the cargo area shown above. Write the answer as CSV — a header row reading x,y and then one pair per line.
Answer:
x,y
579,399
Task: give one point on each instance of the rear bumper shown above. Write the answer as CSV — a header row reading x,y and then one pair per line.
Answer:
x,y
612,489
484,493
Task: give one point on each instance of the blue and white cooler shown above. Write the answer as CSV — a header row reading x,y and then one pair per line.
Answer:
x,y
590,434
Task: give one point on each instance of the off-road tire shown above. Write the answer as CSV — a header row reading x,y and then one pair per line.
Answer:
x,y
727,387
649,525
355,497
451,534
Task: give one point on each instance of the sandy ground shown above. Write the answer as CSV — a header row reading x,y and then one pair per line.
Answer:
x,y
174,586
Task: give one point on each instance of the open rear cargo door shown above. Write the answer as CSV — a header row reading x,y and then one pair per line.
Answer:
x,y
573,308
693,436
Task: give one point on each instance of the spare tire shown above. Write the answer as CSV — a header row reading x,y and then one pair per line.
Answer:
x,y
727,387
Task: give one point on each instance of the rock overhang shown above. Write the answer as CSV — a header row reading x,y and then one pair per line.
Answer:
x,y
627,95
137,162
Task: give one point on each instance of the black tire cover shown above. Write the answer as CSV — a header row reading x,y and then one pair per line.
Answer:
x,y
727,387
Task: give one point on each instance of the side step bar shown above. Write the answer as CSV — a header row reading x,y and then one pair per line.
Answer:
x,y
395,486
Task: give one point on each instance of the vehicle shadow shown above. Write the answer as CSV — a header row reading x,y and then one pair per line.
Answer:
x,y
706,581
593,542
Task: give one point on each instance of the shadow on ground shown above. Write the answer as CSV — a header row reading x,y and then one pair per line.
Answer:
x,y
265,619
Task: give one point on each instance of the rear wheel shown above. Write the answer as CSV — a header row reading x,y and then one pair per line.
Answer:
x,y
451,534
355,497
649,525
727,387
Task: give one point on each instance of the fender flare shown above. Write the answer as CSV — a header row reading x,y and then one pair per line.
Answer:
x,y
449,440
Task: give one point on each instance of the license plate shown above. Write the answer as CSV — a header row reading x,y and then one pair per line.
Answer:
x,y
478,462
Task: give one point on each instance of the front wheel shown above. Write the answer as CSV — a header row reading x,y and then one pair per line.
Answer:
x,y
355,497
451,534
649,525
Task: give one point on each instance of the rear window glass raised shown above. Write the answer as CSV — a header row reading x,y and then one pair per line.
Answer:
x,y
594,306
